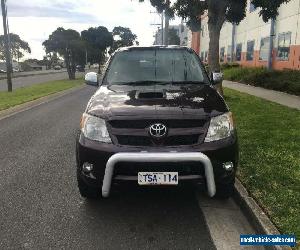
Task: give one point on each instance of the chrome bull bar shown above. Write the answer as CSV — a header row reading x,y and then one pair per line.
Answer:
x,y
159,157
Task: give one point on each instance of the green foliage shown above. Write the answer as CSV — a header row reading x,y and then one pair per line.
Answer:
x,y
285,81
162,5
50,60
18,47
97,40
173,37
69,45
269,9
229,65
190,10
123,37
269,156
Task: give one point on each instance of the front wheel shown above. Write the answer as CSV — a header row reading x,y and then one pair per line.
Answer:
x,y
87,191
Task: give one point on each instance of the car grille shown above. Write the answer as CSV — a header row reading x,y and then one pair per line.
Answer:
x,y
136,132
139,124
183,168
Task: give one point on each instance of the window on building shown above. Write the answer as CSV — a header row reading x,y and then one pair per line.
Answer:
x,y
284,42
250,50
252,7
229,51
222,54
238,52
264,49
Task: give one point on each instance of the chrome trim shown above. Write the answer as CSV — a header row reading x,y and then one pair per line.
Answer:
x,y
158,157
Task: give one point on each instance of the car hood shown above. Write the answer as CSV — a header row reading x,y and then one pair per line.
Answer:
x,y
156,100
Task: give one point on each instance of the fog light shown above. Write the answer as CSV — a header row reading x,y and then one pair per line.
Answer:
x,y
87,167
228,166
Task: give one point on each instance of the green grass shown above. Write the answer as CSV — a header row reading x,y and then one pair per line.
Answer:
x,y
26,94
285,80
269,137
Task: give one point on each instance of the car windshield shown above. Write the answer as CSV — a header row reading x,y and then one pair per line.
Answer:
x,y
155,66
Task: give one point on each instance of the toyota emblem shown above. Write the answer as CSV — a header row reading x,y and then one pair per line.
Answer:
x,y
158,130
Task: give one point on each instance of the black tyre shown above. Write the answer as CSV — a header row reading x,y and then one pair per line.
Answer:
x,y
87,191
225,191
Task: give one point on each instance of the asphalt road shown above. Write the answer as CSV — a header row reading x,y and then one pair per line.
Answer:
x,y
30,80
40,207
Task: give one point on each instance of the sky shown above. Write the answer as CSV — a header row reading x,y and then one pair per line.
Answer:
x,y
35,20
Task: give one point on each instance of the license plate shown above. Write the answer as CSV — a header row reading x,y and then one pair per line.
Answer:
x,y
158,178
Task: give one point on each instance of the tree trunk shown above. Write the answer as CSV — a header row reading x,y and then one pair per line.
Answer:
x,y
213,55
166,30
71,73
99,68
167,25
216,19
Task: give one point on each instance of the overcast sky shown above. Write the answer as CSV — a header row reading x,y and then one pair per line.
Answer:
x,y
35,20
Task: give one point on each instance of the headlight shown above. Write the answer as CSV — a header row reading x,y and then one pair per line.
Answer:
x,y
220,127
94,128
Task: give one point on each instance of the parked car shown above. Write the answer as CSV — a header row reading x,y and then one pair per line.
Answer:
x,y
156,120
16,70
2,71
80,68
57,67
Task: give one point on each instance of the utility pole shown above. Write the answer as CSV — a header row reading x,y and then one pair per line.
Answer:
x,y
7,46
270,54
233,42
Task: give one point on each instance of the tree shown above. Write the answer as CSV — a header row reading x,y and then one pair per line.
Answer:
x,y
18,47
50,60
174,39
98,40
218,12
69,45
123,37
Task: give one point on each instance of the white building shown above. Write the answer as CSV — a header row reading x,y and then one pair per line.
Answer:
x,y
250,40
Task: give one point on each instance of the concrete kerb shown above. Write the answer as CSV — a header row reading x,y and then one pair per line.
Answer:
x,y
256,216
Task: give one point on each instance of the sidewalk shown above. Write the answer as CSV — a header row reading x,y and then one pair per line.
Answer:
x,y
288,100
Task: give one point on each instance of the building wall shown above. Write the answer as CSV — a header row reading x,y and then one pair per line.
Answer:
x,y
252,28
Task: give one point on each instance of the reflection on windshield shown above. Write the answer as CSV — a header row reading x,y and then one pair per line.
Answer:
x,y
154,66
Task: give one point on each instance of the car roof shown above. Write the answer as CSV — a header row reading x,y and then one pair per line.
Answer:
x,y
154,47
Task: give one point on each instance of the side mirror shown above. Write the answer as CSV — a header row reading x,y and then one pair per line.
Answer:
x,y
217,77
91,78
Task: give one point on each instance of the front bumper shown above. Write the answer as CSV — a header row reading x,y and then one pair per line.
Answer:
x,y
158,157
109,160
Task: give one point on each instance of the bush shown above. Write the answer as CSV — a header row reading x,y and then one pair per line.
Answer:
x,y
229,65
285,81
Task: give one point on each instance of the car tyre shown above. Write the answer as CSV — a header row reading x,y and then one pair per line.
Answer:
x,y
225,191
86,191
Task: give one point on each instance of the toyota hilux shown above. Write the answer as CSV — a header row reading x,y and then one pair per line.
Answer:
x,y
156,119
